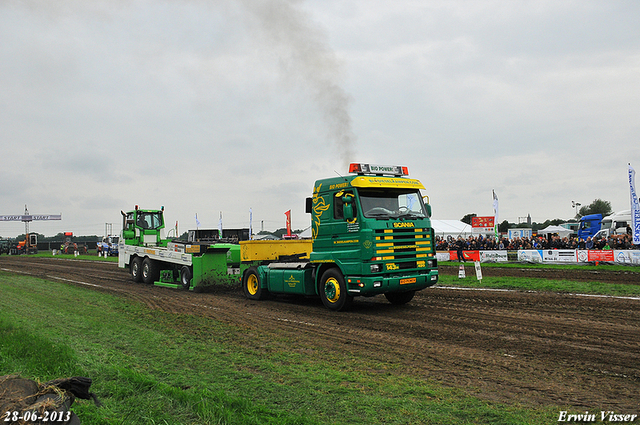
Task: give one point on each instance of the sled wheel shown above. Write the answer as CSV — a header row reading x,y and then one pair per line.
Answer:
x,y
136,269
150,271
185,277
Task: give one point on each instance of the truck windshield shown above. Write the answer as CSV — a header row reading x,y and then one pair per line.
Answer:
x,y
149,220
391,203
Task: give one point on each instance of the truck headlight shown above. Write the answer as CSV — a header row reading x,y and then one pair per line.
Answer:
x,y
375,268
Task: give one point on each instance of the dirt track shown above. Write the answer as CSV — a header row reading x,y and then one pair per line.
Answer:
x,y
531,348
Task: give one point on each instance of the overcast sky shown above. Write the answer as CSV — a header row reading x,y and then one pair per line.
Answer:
x,y
209,106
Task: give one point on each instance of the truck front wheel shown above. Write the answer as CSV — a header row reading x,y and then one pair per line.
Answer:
x,y
150,271
251,285
399,298
136,270
185,277
333,291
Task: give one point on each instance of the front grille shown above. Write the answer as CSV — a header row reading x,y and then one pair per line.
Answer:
x,y
404,249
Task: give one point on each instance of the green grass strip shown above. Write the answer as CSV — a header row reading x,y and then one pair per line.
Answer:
x,y
153,367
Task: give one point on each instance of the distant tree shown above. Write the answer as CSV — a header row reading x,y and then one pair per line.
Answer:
x,y
504,226
467,218
278,233
598,206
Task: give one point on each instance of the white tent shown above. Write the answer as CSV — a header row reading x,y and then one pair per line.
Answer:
x,y
453,228
550,230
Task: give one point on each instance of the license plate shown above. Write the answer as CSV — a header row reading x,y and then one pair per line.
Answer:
x,y
407,281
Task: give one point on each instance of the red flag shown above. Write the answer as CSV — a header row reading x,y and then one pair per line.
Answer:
x,y
288,214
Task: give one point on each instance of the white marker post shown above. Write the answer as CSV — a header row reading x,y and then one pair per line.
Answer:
x,y
478,271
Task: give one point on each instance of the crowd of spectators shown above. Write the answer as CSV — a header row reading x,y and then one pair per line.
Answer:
x,y
486,243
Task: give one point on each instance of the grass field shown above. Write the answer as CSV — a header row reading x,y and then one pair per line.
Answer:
x,y
89,256
152,367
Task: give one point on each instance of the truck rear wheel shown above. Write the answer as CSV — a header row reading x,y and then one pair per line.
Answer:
x,y
399,298
333,291
150,271
136,269
185,277
251,285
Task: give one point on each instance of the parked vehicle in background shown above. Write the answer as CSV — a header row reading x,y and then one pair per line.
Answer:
x,y
4,246
589,225
614,224
108,245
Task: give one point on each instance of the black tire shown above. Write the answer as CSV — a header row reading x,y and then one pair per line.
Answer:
x,y
185,277
251,285
399,298
333,291
136,269
150,271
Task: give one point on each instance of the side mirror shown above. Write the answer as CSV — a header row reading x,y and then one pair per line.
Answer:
x,y
427,205
347,207
309,206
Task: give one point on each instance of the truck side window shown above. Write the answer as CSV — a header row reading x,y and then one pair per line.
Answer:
x,y
338,211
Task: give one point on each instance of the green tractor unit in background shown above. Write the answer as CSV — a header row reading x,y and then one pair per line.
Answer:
x,y
174,263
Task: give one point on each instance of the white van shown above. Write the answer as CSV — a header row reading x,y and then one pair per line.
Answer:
x,y
614,224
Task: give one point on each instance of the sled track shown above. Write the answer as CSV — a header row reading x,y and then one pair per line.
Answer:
x,y
507,346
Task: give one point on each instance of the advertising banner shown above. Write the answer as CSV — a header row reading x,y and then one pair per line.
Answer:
x,y
627,257
595,255
635,207
494,256
559,255
468,255
482,224
520,233
495,213
443,256
530,255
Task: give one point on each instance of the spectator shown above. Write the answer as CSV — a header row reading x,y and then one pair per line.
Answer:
x,y
589,243
460,246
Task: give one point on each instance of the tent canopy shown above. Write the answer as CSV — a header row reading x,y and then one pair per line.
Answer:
x,y
550,230
453,228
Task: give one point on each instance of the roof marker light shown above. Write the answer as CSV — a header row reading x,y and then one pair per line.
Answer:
x,y
394,170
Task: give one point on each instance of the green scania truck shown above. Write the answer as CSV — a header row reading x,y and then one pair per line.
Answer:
x,y
371,235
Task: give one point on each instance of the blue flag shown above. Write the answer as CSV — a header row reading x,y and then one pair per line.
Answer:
x,y
635,208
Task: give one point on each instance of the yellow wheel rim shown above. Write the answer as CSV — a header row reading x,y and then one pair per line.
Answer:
x,y
332,290
252,284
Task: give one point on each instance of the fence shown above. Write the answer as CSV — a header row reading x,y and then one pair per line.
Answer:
x,y
551,256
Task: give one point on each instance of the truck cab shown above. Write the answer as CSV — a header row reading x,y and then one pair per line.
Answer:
x,y
589,225
615,224
143,227
371,234
374,228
